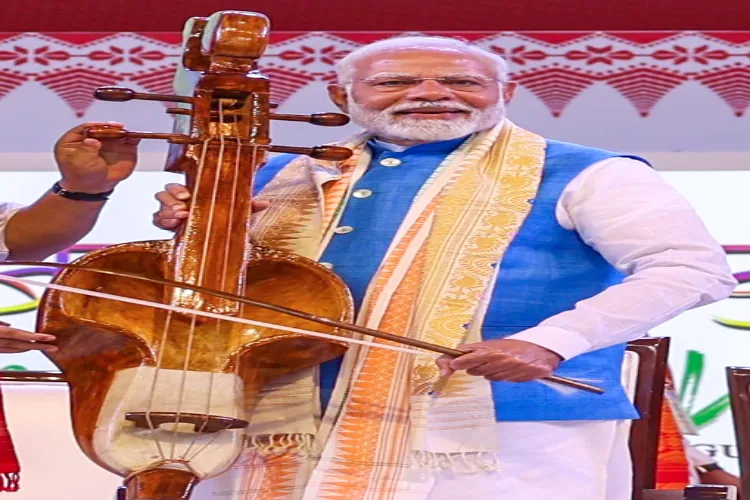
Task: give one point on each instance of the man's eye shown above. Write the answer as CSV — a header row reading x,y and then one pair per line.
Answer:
x,y
462,83
392,83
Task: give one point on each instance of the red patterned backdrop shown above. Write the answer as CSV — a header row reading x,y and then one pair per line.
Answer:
x,y
382,15
554,66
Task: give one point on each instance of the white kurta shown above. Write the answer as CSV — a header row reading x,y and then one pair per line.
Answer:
x,y
6,212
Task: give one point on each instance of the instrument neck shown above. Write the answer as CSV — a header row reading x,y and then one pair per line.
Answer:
x,y
214,245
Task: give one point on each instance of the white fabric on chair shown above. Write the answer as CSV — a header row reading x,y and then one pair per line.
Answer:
x,y
630,364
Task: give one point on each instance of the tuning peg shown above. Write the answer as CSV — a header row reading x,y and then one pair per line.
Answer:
x,y
110,132
122,94
322,119
330,153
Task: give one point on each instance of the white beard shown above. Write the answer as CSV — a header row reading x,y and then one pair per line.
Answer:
x,y
387,126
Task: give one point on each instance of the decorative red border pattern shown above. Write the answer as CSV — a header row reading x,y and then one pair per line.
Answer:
x,y
554,66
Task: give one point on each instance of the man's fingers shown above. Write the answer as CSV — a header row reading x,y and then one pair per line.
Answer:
x,y
86,153
485,369
260,205
78,133
475,358
167,199
444,363
92,143
164,223
178,191
14,333
166,213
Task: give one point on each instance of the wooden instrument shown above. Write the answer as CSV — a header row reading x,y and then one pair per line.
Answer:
x,y
162,397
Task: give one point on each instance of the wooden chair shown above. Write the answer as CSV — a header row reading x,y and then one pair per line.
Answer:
x,y
644,432
649,394
738,380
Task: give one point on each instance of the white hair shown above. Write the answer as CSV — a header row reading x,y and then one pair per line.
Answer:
x,y
345,66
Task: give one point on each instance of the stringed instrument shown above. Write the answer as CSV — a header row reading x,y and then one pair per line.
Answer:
x,y
166,344
162,398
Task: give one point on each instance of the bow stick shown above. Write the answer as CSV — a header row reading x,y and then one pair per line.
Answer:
x,y
244,300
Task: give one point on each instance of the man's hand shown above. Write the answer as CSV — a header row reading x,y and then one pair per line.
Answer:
x,y
92,166
173,208
13,341
503,359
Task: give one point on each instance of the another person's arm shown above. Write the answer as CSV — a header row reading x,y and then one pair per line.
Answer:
x,y
54,222
708,469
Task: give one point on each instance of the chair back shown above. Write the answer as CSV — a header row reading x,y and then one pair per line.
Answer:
x,y
649,394
738,379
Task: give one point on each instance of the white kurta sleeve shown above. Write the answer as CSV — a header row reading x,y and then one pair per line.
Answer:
x,y
646,229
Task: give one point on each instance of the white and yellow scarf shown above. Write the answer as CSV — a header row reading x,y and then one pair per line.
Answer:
x,y
391,415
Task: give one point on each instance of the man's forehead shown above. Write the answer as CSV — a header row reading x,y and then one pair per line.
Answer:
x,y
424,62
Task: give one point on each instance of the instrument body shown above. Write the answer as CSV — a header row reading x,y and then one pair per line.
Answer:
x,y
163,398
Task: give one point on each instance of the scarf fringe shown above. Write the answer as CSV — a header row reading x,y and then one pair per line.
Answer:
x,y
279,444
464,462
9,481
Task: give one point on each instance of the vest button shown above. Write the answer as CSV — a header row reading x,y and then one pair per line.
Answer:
x,y
362,193
343,230
390,162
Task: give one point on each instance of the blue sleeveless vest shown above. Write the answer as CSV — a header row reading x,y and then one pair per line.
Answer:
x,y
545,271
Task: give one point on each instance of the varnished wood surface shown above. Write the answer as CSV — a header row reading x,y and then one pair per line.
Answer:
x,y
644,432
220,149
738,379
161,484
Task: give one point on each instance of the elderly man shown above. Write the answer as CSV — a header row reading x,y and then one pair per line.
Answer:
x,y
89,171
453,225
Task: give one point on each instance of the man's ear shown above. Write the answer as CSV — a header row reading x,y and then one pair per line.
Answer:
x,y
509,90
338,94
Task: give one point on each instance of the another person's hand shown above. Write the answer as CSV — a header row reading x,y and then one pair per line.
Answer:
x,y
13,341
503,359
173,206
94,166
721,477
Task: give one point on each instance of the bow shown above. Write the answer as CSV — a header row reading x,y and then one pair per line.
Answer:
x,y
434,348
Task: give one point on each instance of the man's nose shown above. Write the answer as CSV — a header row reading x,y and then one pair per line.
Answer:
x,y
429,90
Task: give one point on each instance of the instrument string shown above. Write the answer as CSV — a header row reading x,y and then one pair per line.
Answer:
x,y
201,275
168,320
242,306
225,267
